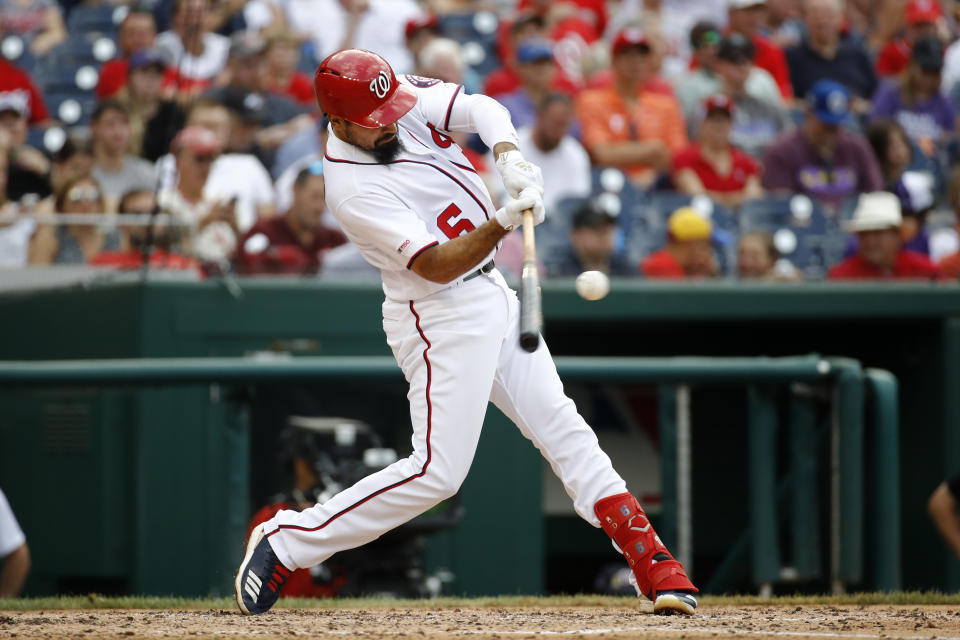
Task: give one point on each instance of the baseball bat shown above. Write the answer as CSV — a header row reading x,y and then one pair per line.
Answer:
x,y
531,316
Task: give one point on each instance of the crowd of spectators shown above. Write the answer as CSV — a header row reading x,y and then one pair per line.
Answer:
x,y
755,139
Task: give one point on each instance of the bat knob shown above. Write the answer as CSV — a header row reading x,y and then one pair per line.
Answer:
x,y
529,342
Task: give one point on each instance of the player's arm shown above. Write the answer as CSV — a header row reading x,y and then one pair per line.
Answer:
x,y
446,262
457,111
942,507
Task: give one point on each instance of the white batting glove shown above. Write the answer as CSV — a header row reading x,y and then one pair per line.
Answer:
x,y
518,174
511,216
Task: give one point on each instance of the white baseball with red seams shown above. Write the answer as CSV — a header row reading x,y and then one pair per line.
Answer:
x,y
456,343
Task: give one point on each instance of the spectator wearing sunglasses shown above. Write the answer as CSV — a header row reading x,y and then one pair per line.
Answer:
x,y
295,242
75,242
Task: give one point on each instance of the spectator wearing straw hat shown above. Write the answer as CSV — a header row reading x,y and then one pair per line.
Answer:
x,y
688,252
880,253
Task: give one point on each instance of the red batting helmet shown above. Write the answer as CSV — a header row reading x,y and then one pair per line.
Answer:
x,y
360,87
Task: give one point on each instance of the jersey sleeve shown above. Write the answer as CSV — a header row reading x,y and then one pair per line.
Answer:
x,y
447,107
389,235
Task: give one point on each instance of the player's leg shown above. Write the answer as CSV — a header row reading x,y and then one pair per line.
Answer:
x,y
448,355
529,391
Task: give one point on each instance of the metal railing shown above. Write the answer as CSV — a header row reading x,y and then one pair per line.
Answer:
x,y
845,380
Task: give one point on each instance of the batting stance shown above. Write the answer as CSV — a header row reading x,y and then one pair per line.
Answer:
x,y
407,197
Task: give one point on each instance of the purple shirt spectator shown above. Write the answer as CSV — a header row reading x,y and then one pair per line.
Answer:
x,y
929,119
793,164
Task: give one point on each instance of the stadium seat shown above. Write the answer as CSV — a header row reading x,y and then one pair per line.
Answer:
x,y
99,19
801,231
71,108
81,80
477,35
14,49
81,50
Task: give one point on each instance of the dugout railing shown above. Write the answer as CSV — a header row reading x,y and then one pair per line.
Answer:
x,y
844,384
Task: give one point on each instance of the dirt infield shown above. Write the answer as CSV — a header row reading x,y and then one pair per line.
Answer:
x,y
884,622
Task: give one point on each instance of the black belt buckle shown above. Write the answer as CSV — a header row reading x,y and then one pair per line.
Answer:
x,y
487,268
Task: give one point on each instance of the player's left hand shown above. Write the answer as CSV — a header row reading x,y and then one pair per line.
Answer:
x,y
511,215
518,174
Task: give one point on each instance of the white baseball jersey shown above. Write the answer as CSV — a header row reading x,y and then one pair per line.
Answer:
x,y
393,212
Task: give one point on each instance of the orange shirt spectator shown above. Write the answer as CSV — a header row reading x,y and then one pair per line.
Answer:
x,y
627,126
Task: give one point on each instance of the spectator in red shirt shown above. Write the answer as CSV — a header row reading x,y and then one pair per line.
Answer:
x,y
922,18
688,253
712,165
746,18
138,31
15,85
295,242
282,54
880,253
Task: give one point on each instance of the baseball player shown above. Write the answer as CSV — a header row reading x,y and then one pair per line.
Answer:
x,y
406,196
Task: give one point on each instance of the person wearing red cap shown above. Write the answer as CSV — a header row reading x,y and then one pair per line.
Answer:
x,y
215,222
420,30
626,125
404,194
714,167
922,18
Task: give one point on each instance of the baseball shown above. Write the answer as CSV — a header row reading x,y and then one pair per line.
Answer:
x,y
593,285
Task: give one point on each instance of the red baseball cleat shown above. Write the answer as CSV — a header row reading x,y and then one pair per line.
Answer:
x,y
659,575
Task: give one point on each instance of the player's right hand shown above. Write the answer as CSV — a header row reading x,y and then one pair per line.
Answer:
x,y
511,216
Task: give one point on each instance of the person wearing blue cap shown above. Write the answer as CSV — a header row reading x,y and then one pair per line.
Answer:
x,y
535,69
823,159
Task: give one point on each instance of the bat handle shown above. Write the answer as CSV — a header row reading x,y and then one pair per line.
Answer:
x,y
531,318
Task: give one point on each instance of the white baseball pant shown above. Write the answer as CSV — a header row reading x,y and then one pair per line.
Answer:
x,y
458,349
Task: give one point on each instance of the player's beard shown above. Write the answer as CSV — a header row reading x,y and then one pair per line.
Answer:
x,y
387,151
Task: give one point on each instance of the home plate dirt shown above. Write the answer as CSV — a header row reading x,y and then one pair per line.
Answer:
x,y
878,622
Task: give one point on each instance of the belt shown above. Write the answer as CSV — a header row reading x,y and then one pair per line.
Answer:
x,y
487,268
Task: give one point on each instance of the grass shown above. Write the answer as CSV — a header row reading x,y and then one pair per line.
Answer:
x,y
94,601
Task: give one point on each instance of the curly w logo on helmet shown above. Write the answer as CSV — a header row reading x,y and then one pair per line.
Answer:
x,y
380,85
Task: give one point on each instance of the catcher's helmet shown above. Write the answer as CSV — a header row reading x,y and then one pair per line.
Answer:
x,y
360,87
